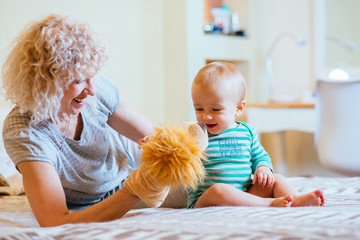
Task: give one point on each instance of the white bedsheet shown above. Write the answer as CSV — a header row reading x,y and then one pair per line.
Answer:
x,y
339,219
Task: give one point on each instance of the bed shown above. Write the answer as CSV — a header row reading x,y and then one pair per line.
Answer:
x,y
339,219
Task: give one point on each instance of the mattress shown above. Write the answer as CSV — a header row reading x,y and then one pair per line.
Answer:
x,y
338,219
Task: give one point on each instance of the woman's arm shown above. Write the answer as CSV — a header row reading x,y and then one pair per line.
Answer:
x,y
47,199
128,121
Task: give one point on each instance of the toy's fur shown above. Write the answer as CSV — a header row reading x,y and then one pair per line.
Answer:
x,y
173,155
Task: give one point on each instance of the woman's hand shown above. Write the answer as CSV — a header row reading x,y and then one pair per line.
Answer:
x,y
142,141
264,177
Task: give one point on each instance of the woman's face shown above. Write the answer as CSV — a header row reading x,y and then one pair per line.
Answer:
x,y
75,96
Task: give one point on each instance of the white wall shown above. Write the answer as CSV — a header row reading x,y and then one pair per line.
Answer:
x,y
342,18
154,45
177,98
291,64
133,32
157,46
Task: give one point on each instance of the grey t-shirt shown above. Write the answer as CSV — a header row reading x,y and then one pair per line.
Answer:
x,y
88,168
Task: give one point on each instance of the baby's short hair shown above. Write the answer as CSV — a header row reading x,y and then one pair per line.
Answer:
x,y
224,73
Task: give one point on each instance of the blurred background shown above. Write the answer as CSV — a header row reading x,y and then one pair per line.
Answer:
x,y
157,46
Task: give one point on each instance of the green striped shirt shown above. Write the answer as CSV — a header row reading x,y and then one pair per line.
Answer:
x,y
233,156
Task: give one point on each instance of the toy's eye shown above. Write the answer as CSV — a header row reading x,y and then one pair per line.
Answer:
x,y
194,130
202,126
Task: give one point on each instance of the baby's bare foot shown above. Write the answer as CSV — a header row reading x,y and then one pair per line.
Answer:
x,y
315,198
282,201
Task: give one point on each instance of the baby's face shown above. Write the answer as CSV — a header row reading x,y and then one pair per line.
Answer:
x,y
214,107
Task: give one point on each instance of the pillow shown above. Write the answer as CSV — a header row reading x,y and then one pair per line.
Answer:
x,y
7,167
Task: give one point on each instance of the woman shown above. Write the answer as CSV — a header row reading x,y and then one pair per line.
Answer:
x,y
60,134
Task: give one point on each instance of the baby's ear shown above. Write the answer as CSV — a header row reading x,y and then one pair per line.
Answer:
x,y
240,108
241,105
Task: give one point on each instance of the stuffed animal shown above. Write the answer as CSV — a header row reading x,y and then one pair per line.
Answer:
x,y
170,158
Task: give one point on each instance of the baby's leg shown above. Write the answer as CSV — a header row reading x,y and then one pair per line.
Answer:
x,y
227,195
282,201
282,187
315,198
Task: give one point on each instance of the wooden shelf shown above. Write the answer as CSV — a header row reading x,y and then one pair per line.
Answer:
x,y
282,105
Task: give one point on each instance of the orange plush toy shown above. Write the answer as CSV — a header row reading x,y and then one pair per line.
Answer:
x,y
171,157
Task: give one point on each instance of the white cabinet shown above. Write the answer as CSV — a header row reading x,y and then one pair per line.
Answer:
x,y
275,117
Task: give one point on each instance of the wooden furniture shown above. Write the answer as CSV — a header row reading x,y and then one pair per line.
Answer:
x,y
274,117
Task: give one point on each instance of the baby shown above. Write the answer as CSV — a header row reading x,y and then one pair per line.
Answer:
x,y
238,170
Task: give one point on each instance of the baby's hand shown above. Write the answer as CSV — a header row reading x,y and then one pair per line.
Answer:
x,y
264,177
142,141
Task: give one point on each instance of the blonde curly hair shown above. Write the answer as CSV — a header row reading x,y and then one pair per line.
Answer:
x,y
45,59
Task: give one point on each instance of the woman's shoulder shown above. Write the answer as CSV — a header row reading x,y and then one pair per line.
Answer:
x,y
16,121
18,124
24,142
